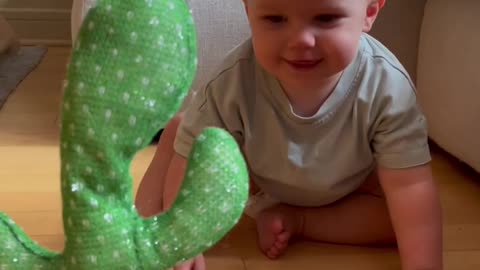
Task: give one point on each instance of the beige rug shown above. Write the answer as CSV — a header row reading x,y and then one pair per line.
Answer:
x,y
15,68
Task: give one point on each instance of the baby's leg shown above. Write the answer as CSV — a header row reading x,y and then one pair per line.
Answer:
x,y
361,218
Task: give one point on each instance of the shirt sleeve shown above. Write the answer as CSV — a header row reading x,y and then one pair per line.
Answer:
x,y
202,112
400,138
216,105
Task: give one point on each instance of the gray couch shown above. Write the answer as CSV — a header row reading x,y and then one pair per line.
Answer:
x,y
434,40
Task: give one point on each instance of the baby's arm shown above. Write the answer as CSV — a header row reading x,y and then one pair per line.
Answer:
x,y
416,215
165,173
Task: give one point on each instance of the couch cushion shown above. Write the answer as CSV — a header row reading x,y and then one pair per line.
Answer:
x,y
448,79
221,25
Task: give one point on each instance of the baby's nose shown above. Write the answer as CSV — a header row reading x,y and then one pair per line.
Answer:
x,y
305,38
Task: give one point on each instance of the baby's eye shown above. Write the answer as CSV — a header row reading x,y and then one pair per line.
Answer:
x,y
275,18
327,18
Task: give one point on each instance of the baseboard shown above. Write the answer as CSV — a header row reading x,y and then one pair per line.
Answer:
x,y
41,26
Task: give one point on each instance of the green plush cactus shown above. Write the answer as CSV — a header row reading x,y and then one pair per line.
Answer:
x,y
131,67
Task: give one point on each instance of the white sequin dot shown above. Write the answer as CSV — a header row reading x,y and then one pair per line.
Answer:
x,y
115,52
76,187
101,90
109,8
10,244
132,120
85,109
161,41
120,74
116,254
138,141
133,36
93,47
150,103
86,223
93,259
108,217
126,97
171,89
138,59
165,66
78,149
98,69
145,81
101,239
130,15
94,203
185,192
154,21
114,136
108,114
179,28
88,170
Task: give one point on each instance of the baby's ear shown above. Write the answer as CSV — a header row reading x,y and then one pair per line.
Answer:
x,y
382,3
372,12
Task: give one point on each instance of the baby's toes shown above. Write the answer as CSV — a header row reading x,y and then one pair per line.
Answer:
x,y
273,252
284,237
281,245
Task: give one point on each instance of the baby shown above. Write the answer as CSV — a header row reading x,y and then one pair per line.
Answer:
x,y
329,125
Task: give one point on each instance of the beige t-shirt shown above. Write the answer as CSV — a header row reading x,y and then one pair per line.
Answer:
x,y
370,118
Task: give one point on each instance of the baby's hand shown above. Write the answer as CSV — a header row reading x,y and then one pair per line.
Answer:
x,y
197,263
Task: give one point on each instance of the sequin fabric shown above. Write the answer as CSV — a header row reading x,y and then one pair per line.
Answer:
x,y
129,71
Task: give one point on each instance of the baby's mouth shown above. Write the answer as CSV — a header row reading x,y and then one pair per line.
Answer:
x,y
304,64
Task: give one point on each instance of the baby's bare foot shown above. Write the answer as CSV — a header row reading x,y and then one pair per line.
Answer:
x,y
275,227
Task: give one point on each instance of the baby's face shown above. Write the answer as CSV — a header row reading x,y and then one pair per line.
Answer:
x,y
303,42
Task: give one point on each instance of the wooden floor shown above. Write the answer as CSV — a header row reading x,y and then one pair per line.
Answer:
x,y
29,191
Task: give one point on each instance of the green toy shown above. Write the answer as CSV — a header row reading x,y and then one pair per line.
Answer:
x,y
132,65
